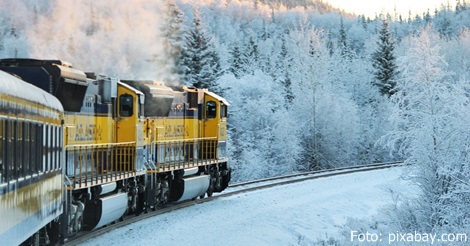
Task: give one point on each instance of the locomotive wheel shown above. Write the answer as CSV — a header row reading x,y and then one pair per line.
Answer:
x,y
79,223
218,181
210,192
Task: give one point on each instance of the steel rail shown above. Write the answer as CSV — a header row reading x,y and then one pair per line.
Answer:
x,y
270,182
316,172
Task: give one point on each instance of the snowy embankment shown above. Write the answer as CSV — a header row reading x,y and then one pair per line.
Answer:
x,y
299,213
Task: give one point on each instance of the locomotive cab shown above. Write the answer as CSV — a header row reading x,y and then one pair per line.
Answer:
x,y
129,112
130,120
214,123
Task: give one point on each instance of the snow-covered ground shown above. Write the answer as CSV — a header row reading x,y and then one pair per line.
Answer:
x,y
295,214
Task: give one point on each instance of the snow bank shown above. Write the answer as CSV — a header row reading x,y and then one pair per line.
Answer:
x,y
300,213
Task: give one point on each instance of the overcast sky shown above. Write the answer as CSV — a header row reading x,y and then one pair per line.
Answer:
x,y
372,7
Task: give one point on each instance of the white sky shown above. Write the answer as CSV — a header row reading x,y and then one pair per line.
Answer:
x,y
372,7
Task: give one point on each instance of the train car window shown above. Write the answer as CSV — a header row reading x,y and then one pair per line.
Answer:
x,y
59,150
39,156
7,153
11,149
33,148
223,111
211,109
26,154
126,103
2,151
50,137
19,145
56,147
54,150
43,167
52,147
47,141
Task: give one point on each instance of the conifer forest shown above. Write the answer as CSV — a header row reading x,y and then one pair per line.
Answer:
x,y
310,87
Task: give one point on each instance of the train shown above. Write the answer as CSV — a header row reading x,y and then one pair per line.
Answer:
x,y
80,150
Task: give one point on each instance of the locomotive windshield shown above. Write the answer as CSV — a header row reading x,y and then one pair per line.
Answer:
x,y
126,105
211,109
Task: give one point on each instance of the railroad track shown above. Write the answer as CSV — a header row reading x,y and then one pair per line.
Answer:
x,y
233,189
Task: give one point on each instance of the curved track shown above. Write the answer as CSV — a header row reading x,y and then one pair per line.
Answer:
x,y
233,189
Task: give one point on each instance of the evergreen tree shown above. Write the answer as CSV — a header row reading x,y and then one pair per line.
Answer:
x,y
343,41
362,21
460,6
236,62
329,44
427,18
281,74
215,73
286,79
199,59
251,56
172,30
443,24
14,38
384,62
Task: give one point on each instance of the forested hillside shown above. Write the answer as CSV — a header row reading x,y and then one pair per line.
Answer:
x,y
308,88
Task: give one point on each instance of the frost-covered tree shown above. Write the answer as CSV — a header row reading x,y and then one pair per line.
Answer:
x,y
12,41
329,43
457,54
443,23
431,133
265,147
199,59
343,45
333,99
287,86
172,31
383,61
306,72
282,73
323,106
251,56
236,62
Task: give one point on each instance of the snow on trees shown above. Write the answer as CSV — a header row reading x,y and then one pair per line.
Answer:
x,y
199,59
383,61
431,133
172,28
236,61
343,45
266,143
326,113
282,73
296,102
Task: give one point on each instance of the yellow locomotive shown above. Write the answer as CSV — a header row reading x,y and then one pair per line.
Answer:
x,y
128,146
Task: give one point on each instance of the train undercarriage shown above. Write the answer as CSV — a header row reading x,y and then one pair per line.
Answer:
x,y
103,204
100,205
